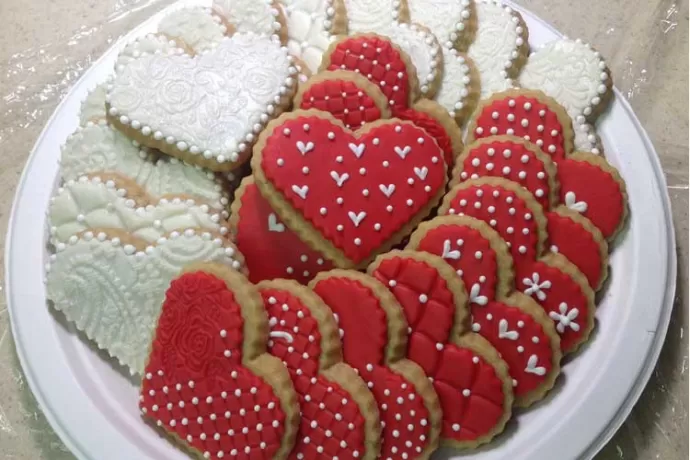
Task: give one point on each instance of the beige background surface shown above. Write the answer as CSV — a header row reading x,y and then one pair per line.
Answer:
x,y
46,45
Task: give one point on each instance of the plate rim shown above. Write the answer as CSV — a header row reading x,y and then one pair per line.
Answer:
x,y
644,371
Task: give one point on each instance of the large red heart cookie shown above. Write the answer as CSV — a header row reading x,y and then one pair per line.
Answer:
x,y
409,408
553,281
470,378
208,382
348,195
339,414
513,323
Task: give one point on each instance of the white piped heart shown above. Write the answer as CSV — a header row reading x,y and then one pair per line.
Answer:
x,y
504,333
421,172
357,218
339,178
532,367
387,190
357,149
301,191
447,253
402,152
305,148
274,225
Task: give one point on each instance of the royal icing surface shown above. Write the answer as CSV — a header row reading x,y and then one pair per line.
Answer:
x,y
377,59
243,80
516,334
587,139
145,46
434,128
406,421
499,204
332,423
256,16
113,291
469,389
501,36
345,99
572,73
93,107
259,231
365,16
96,203
456,84
381,179
526,116
197,385
448,19
424,51
198,28
309,23
99,147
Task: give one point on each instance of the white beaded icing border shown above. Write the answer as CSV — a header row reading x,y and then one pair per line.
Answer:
x,y
434,48
520,31
172,48
459,106
460,26
329,14
131,250
216,216
218,156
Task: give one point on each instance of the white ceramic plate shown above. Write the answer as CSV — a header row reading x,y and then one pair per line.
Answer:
x,y
93,406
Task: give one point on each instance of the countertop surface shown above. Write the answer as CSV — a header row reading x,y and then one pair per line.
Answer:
x,y
46,45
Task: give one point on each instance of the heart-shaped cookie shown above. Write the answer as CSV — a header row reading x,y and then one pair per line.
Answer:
x,y
470,378
513,323
409,408
454,21
209,382
111,285
205,109
339,414
112,201
385,178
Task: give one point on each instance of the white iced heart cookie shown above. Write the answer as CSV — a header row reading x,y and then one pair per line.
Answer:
x,y
576,76
500,47
263,17
111,286
424,51
146,46
366,16
451,21
93,106
112,202
311,27
98,147
204,109
459,89
200,29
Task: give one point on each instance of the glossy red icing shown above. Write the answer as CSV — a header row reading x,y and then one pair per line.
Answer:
x,y
431,126
259,232
524,117
365,334
379,61
469,389
356,191
595,193
332,423
195,386
344,100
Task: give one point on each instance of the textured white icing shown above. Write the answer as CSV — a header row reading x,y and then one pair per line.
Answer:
x,y
570,72
93,107
198,28
212,104
145,46
455,85
422,48
113,293
445,18
370,15
99,147
586,139
258,16
499,36
93,203
308,24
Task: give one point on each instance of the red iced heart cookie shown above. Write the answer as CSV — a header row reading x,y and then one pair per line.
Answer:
x,y
348,195
523,163
347,96
551,279
208,383
409,408
527,114
594,188
380,61
471,380
258,232
339,415
514,324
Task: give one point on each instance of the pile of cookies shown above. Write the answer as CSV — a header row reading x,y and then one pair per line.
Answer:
x,y
338,228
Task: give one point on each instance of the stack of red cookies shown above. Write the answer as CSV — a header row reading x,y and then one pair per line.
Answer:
x,y
482,263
